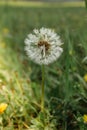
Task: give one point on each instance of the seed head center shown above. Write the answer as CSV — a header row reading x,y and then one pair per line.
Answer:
x,y
44,43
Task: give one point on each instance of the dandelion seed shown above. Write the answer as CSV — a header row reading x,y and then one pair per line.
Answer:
x,y
3,107
85,118
43,46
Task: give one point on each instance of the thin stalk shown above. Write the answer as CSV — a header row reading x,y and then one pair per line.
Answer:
x,y
43,82
65,125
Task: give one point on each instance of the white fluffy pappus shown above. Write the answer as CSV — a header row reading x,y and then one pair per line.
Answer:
x,y
43,46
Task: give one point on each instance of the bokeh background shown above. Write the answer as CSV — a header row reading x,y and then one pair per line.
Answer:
x,y
65,80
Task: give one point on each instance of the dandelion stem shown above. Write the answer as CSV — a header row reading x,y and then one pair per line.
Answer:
x,y
43,80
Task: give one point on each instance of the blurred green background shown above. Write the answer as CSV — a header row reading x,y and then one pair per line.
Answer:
x,y
20,78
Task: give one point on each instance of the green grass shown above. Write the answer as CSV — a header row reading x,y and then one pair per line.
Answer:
x,y
44,4
20,79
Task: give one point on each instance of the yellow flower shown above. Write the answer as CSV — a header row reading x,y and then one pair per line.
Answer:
x,y
85,118
85,77
3,107
5,30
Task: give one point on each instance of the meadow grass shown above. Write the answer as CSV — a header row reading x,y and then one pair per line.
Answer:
x,y
20,79
43,4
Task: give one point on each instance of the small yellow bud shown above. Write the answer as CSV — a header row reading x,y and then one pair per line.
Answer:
x,y
85,118
85,77
3,107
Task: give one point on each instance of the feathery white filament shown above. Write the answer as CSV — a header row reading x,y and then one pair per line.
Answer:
x,y
43,46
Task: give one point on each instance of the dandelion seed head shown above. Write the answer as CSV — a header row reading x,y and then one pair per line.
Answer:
x,y
43,46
